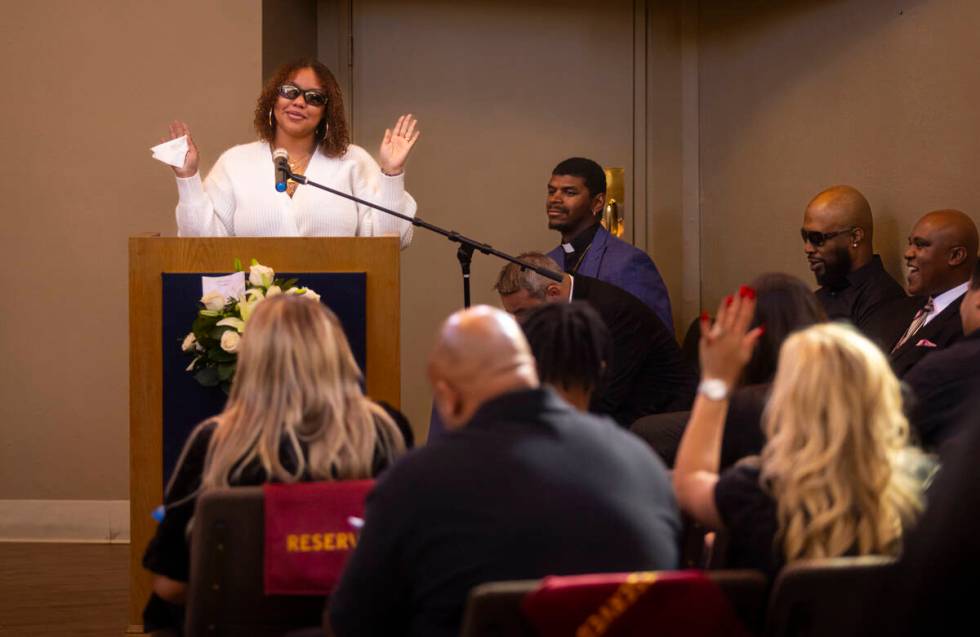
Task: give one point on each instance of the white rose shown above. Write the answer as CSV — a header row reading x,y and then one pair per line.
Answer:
x,y
261,275
313,296
189,341
273,291
214,301
230,340
231,321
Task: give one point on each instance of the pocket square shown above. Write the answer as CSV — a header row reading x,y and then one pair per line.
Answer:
x,y
925,342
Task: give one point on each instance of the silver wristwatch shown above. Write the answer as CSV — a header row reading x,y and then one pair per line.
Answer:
x,y
713,389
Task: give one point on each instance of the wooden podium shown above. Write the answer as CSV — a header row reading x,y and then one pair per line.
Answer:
x,y
150,257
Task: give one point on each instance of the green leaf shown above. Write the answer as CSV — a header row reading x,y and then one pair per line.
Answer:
x,y
203,325
288,283
207,376
219,355
226,371
255,261
238,265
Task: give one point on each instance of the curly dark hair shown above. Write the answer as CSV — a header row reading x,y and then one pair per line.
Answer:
x,y
570,343
331,134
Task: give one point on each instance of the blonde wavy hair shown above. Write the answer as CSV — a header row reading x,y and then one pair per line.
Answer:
x,y
837,460
297,382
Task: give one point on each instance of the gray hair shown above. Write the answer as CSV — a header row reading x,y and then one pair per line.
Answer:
x,y
513,278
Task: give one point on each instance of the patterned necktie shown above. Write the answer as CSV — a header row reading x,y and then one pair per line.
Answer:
x,y
917,322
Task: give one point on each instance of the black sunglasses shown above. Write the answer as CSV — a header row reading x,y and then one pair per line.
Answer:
x,y
817,239
312,97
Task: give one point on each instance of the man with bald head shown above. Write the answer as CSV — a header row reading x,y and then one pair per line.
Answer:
x,y
854,286
941,255
521,486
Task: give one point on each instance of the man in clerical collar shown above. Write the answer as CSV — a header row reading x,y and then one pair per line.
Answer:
x,y
854,286
576,199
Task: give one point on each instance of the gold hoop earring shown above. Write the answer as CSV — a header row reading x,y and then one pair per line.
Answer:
x,y
270,119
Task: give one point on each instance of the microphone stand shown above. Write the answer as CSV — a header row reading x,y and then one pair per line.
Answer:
x,y
466,245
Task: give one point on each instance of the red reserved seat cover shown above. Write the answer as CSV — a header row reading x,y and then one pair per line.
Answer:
x,y
311,528
684,603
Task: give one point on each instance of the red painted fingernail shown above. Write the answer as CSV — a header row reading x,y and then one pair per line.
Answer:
x,y
762,329
729,300
705,317
743,291
751,293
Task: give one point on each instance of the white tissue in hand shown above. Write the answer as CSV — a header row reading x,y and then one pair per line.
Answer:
x,y
171,152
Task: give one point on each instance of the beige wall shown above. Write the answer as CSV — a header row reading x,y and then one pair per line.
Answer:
x,y
503,92
796,96
88,88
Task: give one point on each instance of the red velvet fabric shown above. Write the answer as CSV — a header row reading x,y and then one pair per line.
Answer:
x,y
309,534
683,603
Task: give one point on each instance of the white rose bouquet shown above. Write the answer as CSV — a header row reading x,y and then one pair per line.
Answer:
x,y
213,340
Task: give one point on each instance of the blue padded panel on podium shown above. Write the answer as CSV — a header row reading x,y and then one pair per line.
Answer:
x,y
185,403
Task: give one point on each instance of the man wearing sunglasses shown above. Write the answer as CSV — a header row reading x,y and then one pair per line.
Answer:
x,y
854,286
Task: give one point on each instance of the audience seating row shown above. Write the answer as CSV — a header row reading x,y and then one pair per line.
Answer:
x,y
226,597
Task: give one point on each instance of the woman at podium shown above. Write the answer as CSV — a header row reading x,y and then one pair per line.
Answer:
x,y
300,110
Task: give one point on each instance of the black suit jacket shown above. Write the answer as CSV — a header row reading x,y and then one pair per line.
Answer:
x,y
942,385
647,373
942,331
529,487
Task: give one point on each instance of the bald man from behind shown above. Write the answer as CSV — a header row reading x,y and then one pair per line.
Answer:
x,y
939,259
521,486
838,232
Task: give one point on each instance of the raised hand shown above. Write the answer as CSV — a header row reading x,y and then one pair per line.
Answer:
x,y
727,344
189,169
397,144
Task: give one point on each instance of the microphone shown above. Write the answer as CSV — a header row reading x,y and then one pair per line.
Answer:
x,y
281,158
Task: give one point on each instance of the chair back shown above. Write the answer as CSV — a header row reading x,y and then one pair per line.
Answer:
x,y
825,597
226,594
497,609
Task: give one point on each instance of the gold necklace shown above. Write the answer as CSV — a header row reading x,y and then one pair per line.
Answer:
x,y
297,167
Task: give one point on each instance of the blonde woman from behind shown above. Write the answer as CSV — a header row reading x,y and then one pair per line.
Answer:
x,y
295,413
836,476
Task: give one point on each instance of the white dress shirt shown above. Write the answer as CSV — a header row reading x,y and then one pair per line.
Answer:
x,y
942,301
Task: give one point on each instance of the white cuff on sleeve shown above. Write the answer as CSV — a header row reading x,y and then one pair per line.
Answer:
x,y
190,190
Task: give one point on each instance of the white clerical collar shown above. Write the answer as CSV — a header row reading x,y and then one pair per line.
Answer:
x,y
942,301
568,248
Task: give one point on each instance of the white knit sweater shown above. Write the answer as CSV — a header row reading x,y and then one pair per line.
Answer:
x,y
239,199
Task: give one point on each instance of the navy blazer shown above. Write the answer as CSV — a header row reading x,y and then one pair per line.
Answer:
x,y
939,333
614,261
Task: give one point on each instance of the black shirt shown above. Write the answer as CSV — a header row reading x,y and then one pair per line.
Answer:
x,y
529,487
580,244
749,516
873,301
